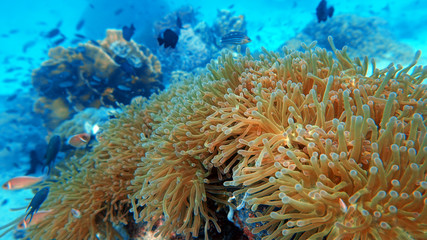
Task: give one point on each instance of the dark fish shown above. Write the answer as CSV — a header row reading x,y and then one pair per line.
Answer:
x,y
237,38
28,45
80,24
169,39
34,162
91,5
231,6
36,202
52,33
322,12
178,22
59,41
13,69
118,11
94,42
9,80
59,24
13,31
12,97
4,35
127,32
79,35
4,202
51,152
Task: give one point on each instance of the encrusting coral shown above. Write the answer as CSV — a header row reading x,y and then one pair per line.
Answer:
x,y
312,145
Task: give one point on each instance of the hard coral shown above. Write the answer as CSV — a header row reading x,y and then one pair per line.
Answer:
x,y
92,75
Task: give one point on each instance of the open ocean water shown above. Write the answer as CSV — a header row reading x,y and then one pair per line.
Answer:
x,y
39,92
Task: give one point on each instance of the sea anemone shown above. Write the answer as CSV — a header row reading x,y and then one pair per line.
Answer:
x,y
312,145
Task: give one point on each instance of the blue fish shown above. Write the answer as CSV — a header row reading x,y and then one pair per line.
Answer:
x,y
36,202
127,32
169,39
52,150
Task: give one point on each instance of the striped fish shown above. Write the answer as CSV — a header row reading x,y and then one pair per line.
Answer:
x,y
237,38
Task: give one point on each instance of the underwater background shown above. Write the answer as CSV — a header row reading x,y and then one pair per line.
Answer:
x,y
69,68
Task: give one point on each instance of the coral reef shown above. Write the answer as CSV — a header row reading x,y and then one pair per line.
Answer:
x,y
198,43
94,74
307,144
226,22
363,36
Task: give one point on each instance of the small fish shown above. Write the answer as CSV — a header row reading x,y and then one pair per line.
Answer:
x,y
13,31
80,24
36,202
52,150
59,24
178,22
21,182
231,6
9,80
37,218
322,12
91,6
76,213
79,140
59,41
79,35
118,11
94,42
28,44
169,39
34,162
237,38
127,32
12,97
52,33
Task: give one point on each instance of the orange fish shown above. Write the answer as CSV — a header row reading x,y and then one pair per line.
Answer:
x,y
79,140
37,218
21,182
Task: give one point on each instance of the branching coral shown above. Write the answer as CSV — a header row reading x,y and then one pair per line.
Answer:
x,y
311,144
92,75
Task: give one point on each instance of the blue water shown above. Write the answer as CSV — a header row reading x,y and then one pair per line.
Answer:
x,y
270,24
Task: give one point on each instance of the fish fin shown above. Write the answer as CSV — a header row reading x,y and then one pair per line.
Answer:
x,y
160,40
330,11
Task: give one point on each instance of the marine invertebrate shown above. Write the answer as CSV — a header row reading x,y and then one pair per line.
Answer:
x,y
92,75
322,149
311,144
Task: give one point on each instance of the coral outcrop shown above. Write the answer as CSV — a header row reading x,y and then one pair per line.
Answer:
x,y
308,144
363,36
94,74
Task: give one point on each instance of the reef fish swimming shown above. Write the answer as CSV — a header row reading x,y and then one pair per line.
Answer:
x,y
236,38
37,218
21,182
322,11
127,32
36,202
79,140
169,38
52,150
